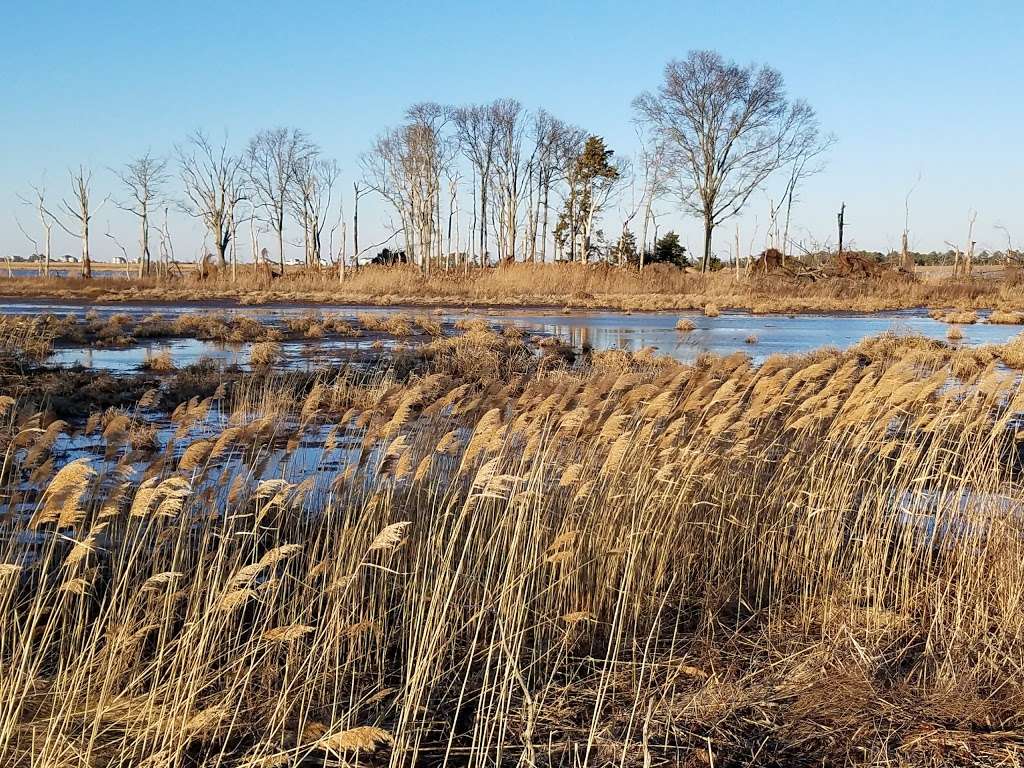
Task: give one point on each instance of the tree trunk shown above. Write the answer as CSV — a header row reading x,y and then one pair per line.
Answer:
x,y
355,232
706,262
544,226
222,255
144,244
483,217
643,232
86,264
341,255
280,246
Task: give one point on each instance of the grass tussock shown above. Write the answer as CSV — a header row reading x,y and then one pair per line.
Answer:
x,y
631,562
264,354
159,362
955,317
685,325
1000,317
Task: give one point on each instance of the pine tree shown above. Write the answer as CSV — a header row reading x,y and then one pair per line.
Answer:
x,y
591,181
668,251
624,251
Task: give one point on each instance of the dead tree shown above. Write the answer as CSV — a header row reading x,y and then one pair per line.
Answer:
x,y
80,211
271,163
386,168
969,250
1010,257
144,178
906,260
45,221
358,191
405,166
508,119
726,128
841,218
166,245
214,185
809,147
311,202
655,186
477,137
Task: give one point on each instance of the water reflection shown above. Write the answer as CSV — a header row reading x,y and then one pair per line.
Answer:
x,y
756,335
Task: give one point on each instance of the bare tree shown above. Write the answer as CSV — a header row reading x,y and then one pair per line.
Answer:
x,y
315,178
165,243
81,211
653,185
272,160
726,129
808,149
358,191
214,185
547,132
1010,256
386,170
144,178
509,171
477,137
405,166
45,221
972,216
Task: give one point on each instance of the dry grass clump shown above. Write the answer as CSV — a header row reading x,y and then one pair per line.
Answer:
x,y
265,354
685,325
955,333
815,561
751,339
999,317
338,325
159,362
396,324
957,317
1012,352
711,310
24,341
428,325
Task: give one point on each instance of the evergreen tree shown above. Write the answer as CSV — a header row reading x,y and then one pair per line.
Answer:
x,y
591,181
668,250
624,251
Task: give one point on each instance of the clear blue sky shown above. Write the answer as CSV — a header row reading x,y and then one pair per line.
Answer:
x,y
912,89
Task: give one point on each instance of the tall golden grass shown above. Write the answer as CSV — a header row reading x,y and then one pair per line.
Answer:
x,y
637,563
657,287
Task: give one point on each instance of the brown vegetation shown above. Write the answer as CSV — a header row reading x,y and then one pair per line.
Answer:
x,y
657,287
637,562
159,362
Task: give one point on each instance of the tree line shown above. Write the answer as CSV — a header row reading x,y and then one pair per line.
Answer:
x,y
477,184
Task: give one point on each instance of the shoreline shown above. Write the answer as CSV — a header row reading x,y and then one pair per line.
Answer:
x,y
553,308
549,288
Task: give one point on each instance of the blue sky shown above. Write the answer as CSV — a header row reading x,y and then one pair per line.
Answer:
x,y
911,90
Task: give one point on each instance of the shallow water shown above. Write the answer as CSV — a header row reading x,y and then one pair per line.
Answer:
x,y
600,330
295,355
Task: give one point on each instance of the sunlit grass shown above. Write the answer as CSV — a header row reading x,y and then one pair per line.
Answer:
x,y
499,559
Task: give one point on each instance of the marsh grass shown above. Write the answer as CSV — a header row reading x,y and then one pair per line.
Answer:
x,y
633,562
159,362
657,287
